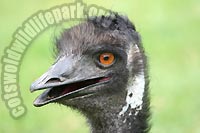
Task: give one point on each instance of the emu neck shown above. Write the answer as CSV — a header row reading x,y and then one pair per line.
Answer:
x,y
108,122
112,119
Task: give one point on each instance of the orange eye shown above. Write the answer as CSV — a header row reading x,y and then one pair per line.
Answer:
x,y
106,58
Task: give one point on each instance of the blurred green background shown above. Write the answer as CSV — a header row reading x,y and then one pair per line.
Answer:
x,y
171,36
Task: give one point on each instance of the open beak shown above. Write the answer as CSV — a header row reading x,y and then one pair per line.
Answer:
x,y
60,81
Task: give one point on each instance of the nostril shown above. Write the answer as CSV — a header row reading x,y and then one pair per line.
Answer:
x,y
53,80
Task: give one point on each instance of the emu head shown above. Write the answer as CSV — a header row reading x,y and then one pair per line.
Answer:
x,y
100,66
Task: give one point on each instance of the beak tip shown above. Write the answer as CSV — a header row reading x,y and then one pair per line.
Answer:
x,y
38,103
32,88
35,104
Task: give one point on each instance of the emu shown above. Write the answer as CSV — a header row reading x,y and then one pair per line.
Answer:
x,y
100,70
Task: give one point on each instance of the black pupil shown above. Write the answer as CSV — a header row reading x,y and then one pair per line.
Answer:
x,y
106,57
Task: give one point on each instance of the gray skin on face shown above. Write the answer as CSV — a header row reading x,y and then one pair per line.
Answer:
x,y
78,51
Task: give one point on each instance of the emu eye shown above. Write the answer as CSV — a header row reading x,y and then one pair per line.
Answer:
x,y
106,59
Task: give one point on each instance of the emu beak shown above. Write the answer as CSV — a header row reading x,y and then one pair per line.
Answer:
x,y
55,74
62,81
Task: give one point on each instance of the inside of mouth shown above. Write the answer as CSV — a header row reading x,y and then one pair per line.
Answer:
x,y
65,89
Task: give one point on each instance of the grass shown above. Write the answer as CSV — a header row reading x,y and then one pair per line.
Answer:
x,y
170,33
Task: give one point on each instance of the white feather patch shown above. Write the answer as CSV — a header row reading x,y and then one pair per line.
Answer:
x,y
134,94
